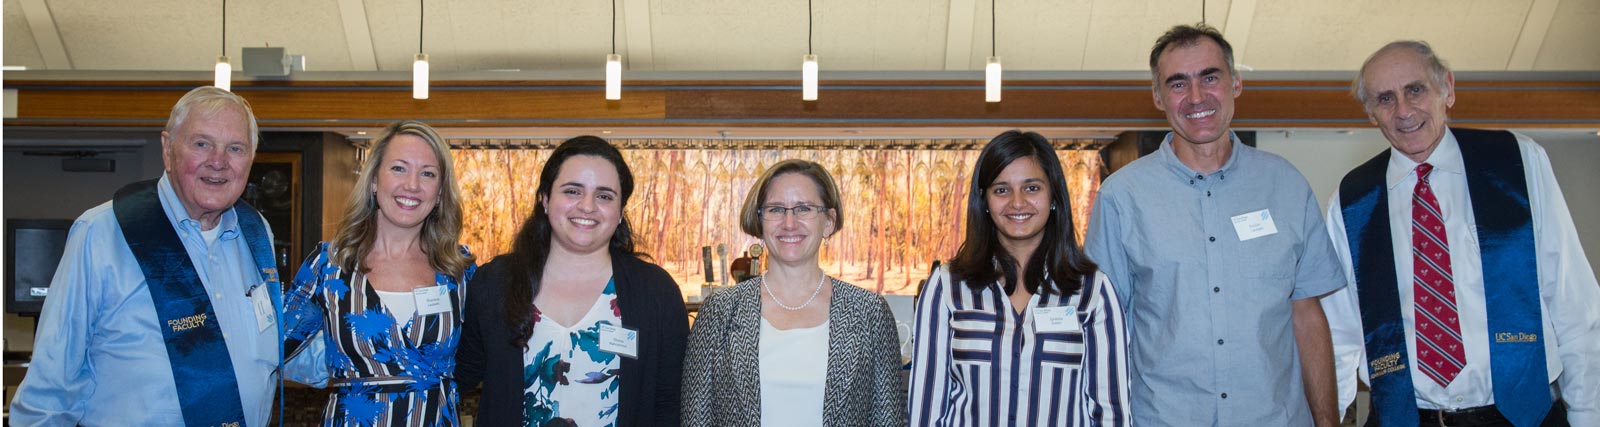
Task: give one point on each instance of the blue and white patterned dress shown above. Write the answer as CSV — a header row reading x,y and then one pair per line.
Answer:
x,y
386,372
571,381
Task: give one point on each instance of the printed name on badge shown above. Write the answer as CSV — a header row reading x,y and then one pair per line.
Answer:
x,y
1055,319
266,314
431,300
1254,224
619,340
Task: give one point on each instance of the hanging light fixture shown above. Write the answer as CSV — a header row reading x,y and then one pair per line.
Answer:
x,y
613,62
808,64
419,67
991,71
223,77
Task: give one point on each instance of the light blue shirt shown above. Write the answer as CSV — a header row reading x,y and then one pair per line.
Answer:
x,y
1208,307
98,354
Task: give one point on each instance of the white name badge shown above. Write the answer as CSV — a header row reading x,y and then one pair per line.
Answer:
x,y
1055,319
619,340
266,315
431,300
1254,224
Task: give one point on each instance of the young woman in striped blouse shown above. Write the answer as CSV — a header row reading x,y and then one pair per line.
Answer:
x,y
1019,329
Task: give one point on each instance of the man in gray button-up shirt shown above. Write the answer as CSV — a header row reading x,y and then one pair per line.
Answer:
x,y
1220,254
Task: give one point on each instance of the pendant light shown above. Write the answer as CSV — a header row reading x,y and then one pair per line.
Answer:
x,y
613,62
808,64
419,67
223,77
991,71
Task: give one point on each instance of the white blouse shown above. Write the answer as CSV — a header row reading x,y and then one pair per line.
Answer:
x,y
794,373
401,305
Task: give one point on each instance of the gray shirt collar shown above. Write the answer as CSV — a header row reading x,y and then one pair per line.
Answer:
x,y
1183,172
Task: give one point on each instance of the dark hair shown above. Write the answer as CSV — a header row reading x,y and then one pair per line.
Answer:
x,y
981,253
750,215
531,248
1189,35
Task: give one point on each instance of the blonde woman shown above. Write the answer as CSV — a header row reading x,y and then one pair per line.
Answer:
x,y
385,296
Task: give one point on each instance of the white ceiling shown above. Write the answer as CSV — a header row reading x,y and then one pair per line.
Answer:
x,y
754,35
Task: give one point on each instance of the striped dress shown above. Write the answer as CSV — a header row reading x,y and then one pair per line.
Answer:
x,y
387,373
979,363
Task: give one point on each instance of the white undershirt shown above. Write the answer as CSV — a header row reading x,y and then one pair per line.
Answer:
x,y
794,372
401,305
211,235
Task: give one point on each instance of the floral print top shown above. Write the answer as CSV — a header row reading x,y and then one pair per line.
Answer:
x,y
570,381
386,371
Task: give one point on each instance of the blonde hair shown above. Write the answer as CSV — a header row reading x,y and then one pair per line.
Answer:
x,y
750,216
441,230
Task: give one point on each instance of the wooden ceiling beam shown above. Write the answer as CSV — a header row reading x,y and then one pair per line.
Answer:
x,y
1119,104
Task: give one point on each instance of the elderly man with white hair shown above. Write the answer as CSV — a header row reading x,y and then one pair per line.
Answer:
x,y
1470,302
163,311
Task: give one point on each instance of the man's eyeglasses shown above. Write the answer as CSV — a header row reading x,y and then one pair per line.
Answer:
x,y
801,212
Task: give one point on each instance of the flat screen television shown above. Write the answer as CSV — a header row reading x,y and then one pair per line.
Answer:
x,y
33,249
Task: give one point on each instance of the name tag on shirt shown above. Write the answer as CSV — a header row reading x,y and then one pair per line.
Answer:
x,y
266,315
1254,224
619,340
1055,319
431,300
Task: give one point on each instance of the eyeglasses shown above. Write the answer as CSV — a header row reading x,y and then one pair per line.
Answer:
x,y
801,212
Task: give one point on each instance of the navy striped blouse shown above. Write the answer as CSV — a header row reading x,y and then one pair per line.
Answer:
x,y
980,363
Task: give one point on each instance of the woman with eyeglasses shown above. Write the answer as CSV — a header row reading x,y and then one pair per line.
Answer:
x,y
1020,328
793,347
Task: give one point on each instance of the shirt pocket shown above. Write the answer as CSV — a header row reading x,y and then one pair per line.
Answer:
x,y
1060,349
972,336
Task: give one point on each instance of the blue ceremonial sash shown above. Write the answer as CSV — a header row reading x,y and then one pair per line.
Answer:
x,y
208,392
1499,194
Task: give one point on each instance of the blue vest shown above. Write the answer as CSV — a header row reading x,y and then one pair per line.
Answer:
x,y
1500,206
208,392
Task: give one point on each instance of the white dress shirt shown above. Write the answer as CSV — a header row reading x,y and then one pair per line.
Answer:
x,y
1568,292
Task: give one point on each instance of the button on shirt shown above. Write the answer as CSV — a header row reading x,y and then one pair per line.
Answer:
x,y
982,362
1209,314
99,357
1567,288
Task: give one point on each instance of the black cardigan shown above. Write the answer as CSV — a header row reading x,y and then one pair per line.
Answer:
x,y
651,304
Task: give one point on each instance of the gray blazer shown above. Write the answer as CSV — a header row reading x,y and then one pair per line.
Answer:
x,y
722,376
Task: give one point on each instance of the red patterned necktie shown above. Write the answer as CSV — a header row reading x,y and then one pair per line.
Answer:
x,y
1439,350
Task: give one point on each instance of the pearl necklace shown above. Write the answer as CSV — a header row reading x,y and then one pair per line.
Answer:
x,y
786,306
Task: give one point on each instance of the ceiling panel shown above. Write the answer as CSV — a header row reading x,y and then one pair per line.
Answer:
x,y
771,34
1573,42
1294,35
1033,34
1121,33
144,35
20,47
873,35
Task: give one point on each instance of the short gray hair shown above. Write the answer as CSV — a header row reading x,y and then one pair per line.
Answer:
x,y
1437,69
209,100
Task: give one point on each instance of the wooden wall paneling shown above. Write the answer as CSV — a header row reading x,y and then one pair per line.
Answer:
x,y
339,169
1115,104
